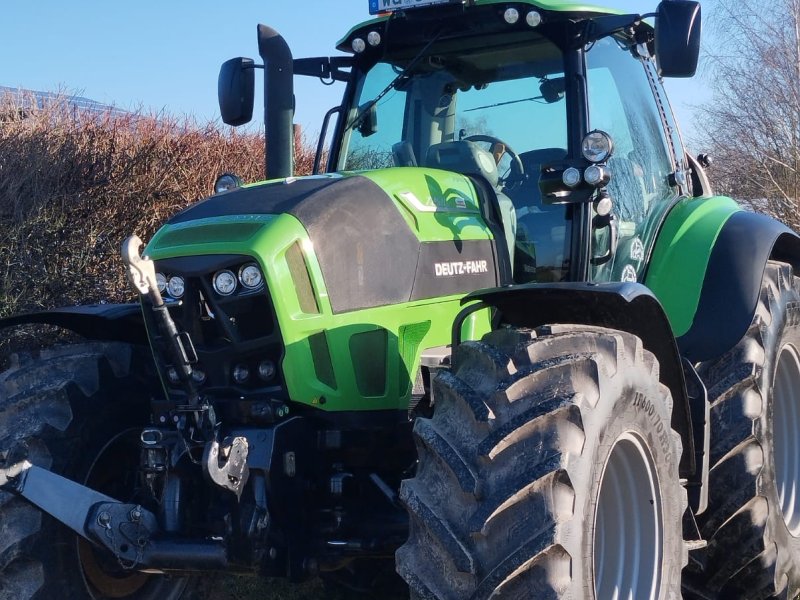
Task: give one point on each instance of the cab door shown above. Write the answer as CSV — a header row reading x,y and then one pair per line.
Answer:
x,y
645,175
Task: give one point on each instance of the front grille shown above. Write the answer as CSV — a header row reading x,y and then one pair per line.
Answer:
x,y
321,356
237,331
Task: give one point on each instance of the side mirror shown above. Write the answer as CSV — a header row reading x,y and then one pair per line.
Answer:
x,y
677,43
552,90
235,90
367,119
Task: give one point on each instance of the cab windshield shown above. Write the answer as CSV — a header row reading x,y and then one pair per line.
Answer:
x,y
507,99
513,93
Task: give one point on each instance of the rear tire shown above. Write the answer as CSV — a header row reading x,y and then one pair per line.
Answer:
x,y
548,470
752,523
67,410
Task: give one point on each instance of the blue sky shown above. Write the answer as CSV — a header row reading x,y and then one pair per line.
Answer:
x,y
166,55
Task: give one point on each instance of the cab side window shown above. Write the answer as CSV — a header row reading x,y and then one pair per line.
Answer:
x,y
621,103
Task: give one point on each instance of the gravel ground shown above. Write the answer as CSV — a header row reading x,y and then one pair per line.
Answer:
x,y
252,588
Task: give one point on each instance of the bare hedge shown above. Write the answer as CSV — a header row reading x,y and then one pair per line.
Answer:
x,y
74,184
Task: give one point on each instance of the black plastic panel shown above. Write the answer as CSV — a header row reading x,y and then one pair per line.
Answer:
x,y
455,267
367,253
118,322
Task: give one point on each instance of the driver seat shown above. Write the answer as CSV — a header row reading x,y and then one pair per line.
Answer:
x,y
468,158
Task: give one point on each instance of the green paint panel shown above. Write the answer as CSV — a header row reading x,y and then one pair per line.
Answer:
x,y
437,205
411,337
681,253
239,228
396,364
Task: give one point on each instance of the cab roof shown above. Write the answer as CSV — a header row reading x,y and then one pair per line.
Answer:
x,y
572,8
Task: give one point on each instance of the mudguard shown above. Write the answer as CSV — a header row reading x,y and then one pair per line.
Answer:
x,y
112,322
707,267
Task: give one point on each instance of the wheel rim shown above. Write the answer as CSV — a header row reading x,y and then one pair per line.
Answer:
x,y
628,533
786,428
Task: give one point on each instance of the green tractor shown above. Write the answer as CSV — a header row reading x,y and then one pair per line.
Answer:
x,y
505,342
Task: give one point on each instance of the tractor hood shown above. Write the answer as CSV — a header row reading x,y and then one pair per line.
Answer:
x,y
379,237
389,191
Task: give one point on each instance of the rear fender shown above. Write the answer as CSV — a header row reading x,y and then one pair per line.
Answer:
x,y
707,267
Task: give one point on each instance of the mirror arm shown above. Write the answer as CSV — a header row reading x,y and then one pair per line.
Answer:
x,y
599,27
324,67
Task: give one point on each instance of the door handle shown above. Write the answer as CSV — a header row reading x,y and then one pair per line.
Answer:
x,y
609,222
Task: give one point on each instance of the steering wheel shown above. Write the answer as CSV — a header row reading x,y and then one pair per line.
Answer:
x,y
517,173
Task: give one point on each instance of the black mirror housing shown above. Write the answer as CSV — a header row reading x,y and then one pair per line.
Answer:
x,y
677,43
236,90
367,119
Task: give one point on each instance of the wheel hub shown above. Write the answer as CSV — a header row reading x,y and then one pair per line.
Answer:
x,y
786,443
628,534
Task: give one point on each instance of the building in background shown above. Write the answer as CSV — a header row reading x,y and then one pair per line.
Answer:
x,y
27,99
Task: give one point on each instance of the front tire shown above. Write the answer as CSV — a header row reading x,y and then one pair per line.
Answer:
x,y
549,470
73,410
752,523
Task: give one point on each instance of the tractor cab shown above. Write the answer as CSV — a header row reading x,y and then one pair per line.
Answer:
x,y
507,93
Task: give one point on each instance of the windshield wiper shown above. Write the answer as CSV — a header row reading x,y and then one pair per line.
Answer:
x,y
552,90
532,99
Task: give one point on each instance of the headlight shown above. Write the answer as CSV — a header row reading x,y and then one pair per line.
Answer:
x,y
227,182
596,175
266,370
225,282
571,177
241,373
597,146
533,18
359,45
250,276
511,15
176,286
161,282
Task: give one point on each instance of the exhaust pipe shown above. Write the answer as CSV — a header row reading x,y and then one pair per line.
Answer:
x,y
278,102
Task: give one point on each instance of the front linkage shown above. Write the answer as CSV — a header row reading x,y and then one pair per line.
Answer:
x,y
137,537
232,474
